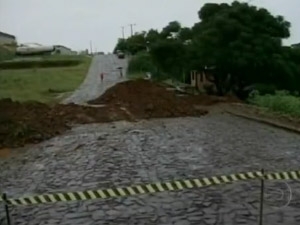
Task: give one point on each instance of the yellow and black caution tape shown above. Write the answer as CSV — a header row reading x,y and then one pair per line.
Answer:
x,y
149,188
288,175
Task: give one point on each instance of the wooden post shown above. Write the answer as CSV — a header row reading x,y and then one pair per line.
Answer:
x,y
262,190
4,197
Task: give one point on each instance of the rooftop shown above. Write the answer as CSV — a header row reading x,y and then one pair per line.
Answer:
x,y
62,47
7,35
296,45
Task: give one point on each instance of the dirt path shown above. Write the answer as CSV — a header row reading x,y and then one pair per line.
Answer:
x,y
123,153
92,87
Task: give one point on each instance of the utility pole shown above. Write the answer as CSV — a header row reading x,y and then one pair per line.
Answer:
x,y
131,27
91,47
123,35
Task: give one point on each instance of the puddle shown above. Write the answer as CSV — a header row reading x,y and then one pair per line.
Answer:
x,y
91,105
5,152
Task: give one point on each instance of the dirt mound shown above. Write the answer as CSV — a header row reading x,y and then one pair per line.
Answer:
x,y
145,99
32,122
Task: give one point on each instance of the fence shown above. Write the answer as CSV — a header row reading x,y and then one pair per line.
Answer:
x,y
150,189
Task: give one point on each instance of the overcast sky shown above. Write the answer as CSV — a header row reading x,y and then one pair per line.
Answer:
x,y
75,22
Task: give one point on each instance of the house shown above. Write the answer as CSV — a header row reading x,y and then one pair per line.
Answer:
x,y
63,50
296,45
200,80
7,39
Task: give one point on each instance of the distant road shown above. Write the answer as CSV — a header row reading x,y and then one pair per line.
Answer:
x,y
92,87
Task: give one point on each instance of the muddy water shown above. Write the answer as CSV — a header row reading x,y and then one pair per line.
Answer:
x,y
5,152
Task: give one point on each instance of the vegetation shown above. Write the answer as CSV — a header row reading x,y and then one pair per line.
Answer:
x,y
136,76
281,101
239,43
42,62
42,84
6,53
38,64
140,63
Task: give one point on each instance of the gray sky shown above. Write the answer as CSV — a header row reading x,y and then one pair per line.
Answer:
x,y
75,22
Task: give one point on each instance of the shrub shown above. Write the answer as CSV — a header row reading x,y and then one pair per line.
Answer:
x,y
265,88
281,101
141,62
5,54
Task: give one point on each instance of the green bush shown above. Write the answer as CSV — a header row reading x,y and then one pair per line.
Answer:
x,y
264,88
141,62
38,64
281,101
5,54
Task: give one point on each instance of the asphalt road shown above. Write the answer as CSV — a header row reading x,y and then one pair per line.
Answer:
x,y
92,87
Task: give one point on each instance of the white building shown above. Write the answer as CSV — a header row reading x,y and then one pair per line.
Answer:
x,y
7,39
63,50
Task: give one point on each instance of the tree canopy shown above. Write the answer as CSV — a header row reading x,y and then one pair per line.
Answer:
x,y
243,44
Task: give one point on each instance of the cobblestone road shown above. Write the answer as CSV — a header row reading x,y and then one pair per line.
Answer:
x,y
123,153
92,87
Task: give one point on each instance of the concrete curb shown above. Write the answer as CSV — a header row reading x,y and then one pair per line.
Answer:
x,y
265,121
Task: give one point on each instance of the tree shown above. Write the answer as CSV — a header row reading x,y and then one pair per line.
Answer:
x,y
172,28
242,42
121,45
169,55
133,44
185,34
152,36
137,43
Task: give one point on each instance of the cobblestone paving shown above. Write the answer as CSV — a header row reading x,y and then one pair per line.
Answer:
x,y
92,87
123,153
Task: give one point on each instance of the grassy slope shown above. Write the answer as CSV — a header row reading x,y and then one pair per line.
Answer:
x,y
44,84
281,102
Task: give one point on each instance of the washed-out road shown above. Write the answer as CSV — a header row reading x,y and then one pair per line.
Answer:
x,y
122,153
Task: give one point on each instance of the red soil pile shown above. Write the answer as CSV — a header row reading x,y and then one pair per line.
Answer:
x,y
32,122
145,99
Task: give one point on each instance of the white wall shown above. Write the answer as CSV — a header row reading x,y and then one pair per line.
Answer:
x,y
64,51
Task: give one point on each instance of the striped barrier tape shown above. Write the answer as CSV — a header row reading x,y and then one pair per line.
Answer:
x,y
149,188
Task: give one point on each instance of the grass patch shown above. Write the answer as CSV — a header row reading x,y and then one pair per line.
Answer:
x,y
134,76
42,84
282,102
41,62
